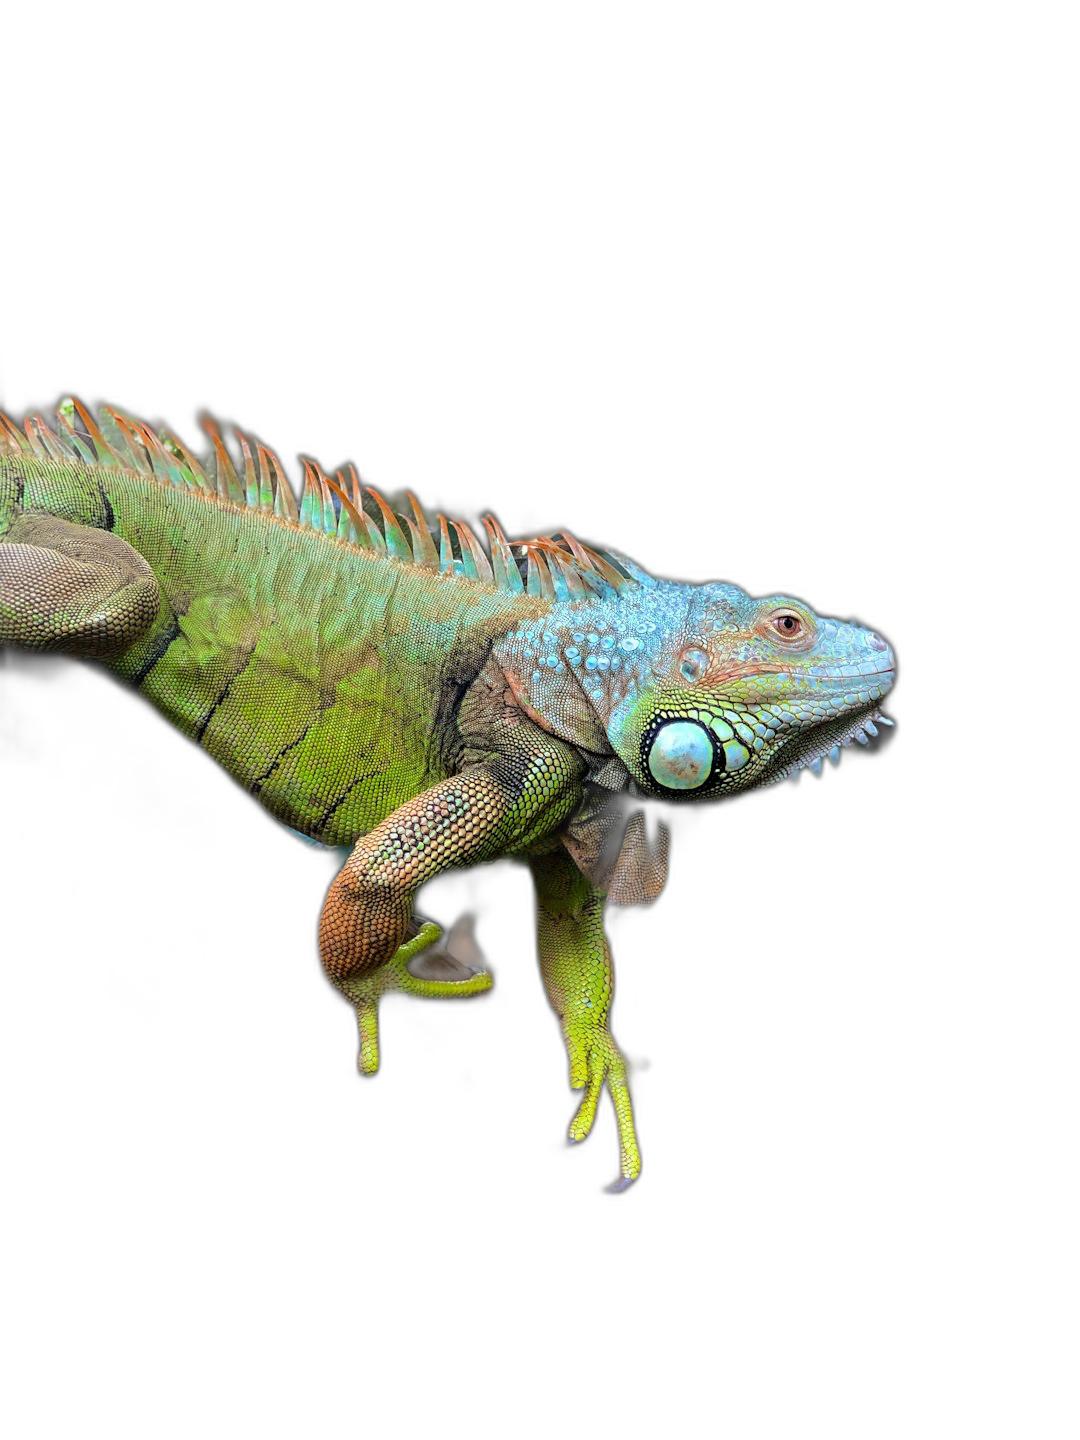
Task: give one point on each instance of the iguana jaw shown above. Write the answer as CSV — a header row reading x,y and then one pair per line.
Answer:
x,y
809,745
809,748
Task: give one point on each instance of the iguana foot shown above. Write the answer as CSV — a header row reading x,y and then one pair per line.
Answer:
x,y
418,970
596,1062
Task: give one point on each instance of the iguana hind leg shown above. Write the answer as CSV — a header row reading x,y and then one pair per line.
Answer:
x,y
575,961
72,587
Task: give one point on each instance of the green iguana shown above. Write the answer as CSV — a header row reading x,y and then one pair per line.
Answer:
x,y
382,683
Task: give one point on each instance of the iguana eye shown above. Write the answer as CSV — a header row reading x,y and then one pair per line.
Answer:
x,y
692,664
788,625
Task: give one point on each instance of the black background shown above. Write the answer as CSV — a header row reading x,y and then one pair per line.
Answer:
x,y
765,426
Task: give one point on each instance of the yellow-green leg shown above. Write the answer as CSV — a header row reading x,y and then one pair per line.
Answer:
x,y
575,961
364,990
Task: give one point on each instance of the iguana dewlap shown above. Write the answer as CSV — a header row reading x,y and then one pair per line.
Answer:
x,y
393,686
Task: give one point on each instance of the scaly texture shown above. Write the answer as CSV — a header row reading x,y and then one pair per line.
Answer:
x,y
387,683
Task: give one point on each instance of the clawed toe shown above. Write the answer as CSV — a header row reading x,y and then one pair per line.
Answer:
x,y
606,1068
623,1183
417,969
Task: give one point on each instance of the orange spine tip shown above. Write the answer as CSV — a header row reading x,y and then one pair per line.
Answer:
x,y
396,544
575,586
225,468
30,431
104,453
44,441
251,477
331,520
446,548
350,509
480,561
132,432
73,439
181,454
357,488
577,550
11,435
547,585
267,496
607,572
284,499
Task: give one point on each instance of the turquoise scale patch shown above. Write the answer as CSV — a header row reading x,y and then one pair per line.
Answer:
x,y
735,755
681,756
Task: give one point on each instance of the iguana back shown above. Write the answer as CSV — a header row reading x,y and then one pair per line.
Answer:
x,y
324,677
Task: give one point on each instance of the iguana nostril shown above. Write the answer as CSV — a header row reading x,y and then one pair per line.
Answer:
x,y
877,643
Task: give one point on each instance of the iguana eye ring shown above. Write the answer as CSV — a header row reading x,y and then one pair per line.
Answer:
x,y
787,624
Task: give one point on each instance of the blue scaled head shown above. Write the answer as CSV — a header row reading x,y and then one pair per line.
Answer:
x,y
719,692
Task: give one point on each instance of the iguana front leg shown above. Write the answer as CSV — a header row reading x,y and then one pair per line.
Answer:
x,y
527,788
575,961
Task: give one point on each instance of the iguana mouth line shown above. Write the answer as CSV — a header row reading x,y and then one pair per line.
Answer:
x,y
847,672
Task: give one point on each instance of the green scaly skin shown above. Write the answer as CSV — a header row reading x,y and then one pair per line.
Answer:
x,y
381,686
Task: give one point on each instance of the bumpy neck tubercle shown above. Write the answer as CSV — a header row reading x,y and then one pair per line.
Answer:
x,y
570,669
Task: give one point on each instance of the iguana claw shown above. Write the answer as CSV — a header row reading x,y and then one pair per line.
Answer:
x,y
623,1183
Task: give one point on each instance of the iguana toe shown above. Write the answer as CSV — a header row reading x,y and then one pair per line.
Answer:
x,y
418,970
623,1183
607,1070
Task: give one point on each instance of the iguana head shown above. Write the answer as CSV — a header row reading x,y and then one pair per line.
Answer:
x,y
731,692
